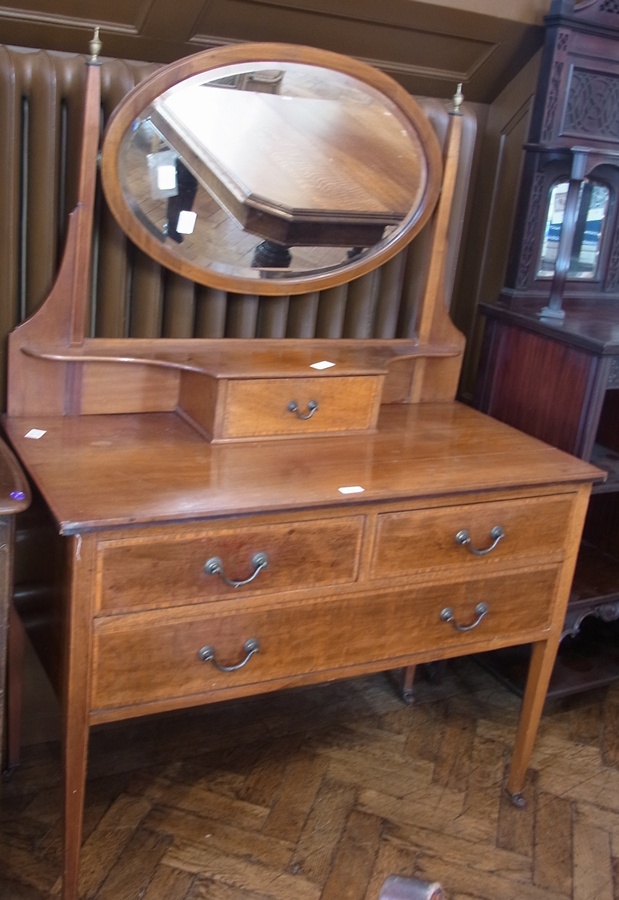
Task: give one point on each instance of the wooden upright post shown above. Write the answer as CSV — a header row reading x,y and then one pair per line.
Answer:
x,y
438,379
61,320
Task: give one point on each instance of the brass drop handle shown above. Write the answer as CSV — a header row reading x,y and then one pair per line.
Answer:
x,y
251,646
447,615
312,407
214,566
464,539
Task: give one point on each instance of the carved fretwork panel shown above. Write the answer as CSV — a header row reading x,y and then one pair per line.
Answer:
x,y
592,109
528,256
549,362
555,85
612,269
610,6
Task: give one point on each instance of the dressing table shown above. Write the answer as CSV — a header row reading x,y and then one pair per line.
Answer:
x,y
240,516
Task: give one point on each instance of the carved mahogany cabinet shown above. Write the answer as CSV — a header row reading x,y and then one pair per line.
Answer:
x,y
241,516
550,360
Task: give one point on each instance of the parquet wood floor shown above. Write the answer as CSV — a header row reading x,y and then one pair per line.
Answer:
x,y
320,793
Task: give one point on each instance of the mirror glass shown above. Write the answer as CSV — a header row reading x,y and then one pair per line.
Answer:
x,y
270,173
593,200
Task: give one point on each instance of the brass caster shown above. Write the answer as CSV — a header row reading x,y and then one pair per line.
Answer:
x,y
517,799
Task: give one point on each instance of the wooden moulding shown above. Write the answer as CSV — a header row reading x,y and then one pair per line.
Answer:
x,y
219,386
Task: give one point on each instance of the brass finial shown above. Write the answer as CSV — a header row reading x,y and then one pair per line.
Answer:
x,y
457,99
95,47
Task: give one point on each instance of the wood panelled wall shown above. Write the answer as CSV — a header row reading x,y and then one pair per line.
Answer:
x,y
41,98
428,46
492,207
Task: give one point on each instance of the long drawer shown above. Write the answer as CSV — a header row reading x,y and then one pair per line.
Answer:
x,y
144,658
423,540
167,570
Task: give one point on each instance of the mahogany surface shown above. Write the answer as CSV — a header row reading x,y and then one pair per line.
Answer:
x,y
102,471
590,324
519,382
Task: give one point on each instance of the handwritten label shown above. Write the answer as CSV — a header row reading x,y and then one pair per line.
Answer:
x,y
323,364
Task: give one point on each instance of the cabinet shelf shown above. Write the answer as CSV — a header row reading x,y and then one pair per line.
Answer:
x,y
588,658
607,459
596,579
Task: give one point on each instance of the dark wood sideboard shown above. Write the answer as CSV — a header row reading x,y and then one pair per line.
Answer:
x,y
550,358
559,380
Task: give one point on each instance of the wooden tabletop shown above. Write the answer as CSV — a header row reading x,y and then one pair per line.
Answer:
x,y
104,471
590,323
297,157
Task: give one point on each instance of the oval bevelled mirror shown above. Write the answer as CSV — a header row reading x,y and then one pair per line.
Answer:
x,y
270,168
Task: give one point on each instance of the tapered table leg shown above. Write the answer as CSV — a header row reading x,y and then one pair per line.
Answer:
x,y
75,761
543,657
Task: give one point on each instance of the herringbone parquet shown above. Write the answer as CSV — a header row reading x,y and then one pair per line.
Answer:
x,y
320,793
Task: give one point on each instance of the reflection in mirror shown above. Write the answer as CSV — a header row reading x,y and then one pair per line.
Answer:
x,y
273,171
593,200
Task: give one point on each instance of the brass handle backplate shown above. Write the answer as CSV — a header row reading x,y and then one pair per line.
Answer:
x,y
464,539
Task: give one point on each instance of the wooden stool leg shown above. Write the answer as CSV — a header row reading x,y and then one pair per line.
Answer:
x,y
15,688
408,679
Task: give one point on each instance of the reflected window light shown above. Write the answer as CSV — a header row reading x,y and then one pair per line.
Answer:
x,y
593,202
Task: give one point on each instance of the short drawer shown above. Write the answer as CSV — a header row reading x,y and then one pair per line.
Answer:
x,y
424,540
154,657
265,407
146,572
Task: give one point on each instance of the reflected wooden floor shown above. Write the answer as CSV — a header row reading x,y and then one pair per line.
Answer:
x,y
320,793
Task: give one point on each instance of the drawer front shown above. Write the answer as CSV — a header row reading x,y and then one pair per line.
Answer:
x,y
150,573
154,657
261,407
425,540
